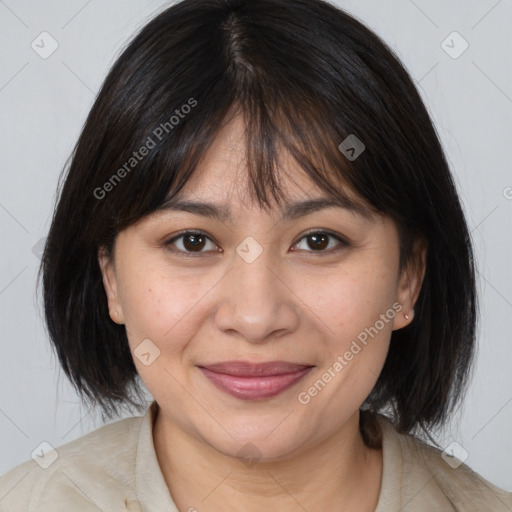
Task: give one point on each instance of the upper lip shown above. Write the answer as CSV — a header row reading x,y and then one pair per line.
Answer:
x,y
246,368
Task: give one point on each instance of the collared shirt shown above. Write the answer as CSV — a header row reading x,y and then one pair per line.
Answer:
x,y
115,469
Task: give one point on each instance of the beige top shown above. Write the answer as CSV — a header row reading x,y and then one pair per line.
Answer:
x,y
115,469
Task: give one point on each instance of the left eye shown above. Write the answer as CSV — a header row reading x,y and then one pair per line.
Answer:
x,y
319,241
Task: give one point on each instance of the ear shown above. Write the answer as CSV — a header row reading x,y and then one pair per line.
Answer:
x,y
106,262
410,282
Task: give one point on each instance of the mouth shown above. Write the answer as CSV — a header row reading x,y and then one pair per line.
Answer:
x,y
254,381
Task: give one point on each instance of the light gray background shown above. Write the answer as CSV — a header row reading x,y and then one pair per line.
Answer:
x,y
44,103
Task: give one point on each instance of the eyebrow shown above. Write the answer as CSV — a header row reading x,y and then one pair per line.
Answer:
x,y
291,211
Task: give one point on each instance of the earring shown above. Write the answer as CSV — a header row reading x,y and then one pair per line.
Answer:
x,y
406,316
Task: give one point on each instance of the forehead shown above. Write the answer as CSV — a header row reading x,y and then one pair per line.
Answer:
x,y
222,171
222,177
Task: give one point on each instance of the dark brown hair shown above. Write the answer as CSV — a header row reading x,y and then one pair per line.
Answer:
x,y
306,75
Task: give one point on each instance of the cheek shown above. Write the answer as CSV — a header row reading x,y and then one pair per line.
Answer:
x,y
352,299
157,305
166,309
350,303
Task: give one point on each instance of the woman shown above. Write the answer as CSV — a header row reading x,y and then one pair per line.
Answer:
x,y
259,226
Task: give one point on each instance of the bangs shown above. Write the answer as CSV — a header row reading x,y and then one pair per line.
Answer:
x,y
271,137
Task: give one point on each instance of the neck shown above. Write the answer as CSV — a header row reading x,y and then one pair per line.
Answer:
x,y
338,473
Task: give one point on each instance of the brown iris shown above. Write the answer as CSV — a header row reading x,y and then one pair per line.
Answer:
x,y
320,241
191,242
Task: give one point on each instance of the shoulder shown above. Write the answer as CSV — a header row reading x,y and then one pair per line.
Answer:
x,y
67,476
428,478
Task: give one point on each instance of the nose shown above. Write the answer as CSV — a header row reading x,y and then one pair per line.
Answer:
x,y
256,300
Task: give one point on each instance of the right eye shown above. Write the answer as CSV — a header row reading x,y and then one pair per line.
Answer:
x,y
190,243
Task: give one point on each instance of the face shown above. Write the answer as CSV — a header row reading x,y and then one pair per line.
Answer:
x,y
322,290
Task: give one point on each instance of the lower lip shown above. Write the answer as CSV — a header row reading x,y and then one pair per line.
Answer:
x,y
254,388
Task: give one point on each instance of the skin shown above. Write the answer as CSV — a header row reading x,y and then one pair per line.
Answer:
x,y
290,304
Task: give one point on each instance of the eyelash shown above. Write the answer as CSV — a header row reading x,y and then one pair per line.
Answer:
x,y
343,243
